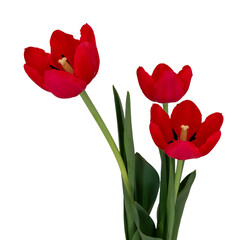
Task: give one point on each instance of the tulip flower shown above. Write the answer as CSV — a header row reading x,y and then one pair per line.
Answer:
x,y
184,135
164,86
70,66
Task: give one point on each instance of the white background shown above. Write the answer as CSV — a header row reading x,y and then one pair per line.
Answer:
x,y
58,178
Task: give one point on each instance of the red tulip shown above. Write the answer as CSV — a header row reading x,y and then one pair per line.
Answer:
x,y
71,65
184,135
164,86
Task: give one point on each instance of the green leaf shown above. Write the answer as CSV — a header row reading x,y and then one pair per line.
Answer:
x,y
130,228
162,206
144,223
147,183
129,224
170,200
129,145
126,222
120,123
184,191
136,236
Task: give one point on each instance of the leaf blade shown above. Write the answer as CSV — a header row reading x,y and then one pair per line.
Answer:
x,y
147,183
120,122
184,191
144,223
162,206
170,200
129,145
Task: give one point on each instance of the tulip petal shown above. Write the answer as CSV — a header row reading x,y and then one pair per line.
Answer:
x,y
211,124
186,113
63,44
63,84
35,76
157,136
86,61
210,143
160,70
161,119
166,86
146,83
87,34
37,59
185,77
182,150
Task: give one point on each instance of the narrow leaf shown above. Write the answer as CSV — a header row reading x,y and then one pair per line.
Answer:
x,y
170,200
129,224
144,223
136,236
129,145
184,191
147,183
120,122
162,206
130,227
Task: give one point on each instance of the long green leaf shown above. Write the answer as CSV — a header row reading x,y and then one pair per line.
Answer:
x,y
120,122
144,223
184,191
170,200
129,145
125,223
162,206
136,236
147,183
129,224
131,227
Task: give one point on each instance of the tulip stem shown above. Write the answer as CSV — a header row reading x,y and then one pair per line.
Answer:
x,y
178,174
165,106
109,139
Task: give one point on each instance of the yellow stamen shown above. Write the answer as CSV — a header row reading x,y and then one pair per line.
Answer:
x,y
66,66
183,134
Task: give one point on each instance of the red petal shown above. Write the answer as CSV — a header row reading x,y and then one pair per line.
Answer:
x,y
210,143
186,113
157,136
35,76
37,59
145,82
212,124
87,34
185,76
86,61
63,84
182,150
160,70
168,86
63,44
161,119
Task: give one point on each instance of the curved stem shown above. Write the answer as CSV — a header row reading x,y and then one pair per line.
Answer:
x,y
179,169
109,139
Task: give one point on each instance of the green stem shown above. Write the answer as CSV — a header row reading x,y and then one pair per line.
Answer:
x,y
179,169
166,108
109,139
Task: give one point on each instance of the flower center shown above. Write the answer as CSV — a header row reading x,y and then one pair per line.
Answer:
x,y
183,134
65,64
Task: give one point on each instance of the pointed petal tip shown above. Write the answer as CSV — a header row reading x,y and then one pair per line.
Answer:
x,y
87,34
139,71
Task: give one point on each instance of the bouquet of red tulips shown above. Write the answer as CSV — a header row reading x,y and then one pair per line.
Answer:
x,y
66,72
